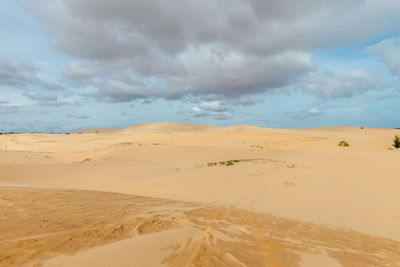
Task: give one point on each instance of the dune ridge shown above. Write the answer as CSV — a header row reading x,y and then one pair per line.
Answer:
x,y
168,127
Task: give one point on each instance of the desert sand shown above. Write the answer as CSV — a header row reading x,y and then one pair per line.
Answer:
x,y
171,194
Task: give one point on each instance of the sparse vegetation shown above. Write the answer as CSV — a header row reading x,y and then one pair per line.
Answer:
x,y
396,141
226,163
83,161
343,143
234,161
231,162
123,144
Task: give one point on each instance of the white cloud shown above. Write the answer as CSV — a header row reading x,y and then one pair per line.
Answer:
x,y
78,70
331,85
305,113
389,52
211,109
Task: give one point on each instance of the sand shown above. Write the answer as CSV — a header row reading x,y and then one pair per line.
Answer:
x,y
173,194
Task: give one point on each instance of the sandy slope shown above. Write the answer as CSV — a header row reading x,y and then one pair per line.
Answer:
x,y
287,189
61,222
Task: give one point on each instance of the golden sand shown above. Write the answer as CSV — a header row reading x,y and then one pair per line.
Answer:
x,y
192,195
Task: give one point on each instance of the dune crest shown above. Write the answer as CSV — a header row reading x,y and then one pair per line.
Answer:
x,y
167,127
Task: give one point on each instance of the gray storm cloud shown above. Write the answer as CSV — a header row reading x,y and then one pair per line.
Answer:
x,y
17,75
170,49
22,75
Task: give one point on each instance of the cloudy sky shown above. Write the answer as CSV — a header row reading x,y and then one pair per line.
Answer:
x,y
73,64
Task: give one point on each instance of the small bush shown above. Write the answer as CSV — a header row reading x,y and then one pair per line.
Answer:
x,y
396,141
343,143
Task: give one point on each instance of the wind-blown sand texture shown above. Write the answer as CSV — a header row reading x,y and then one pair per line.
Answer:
x,y
192,195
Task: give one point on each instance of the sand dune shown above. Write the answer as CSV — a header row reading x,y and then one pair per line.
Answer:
x,y
96,130
244,129
168,127
194,195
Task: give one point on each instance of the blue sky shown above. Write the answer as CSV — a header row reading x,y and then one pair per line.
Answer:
x,y
68,65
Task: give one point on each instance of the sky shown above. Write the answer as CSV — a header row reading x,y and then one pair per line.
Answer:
x,y
67,65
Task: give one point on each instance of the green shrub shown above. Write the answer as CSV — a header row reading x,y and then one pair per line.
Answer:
x,y
396,141
343,143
